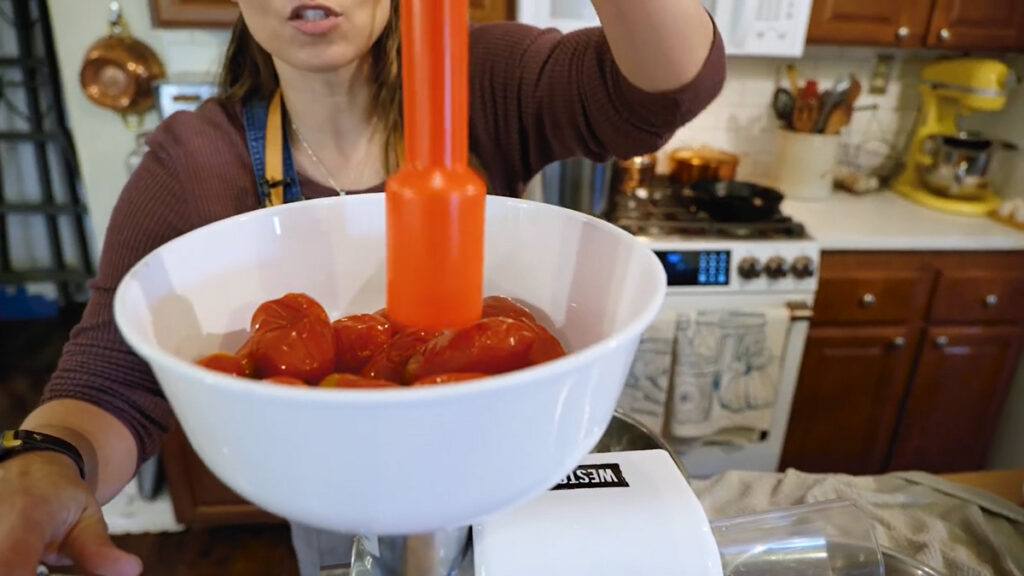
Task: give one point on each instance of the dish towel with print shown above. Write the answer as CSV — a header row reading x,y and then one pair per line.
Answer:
x,y
645,394
725,378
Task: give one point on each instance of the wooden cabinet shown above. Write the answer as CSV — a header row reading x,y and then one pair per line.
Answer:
x,y
992,24
848,399
908,362
223,13
491,10
960,24
900,23
962,378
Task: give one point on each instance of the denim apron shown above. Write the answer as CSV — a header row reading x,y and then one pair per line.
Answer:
x,y
278,183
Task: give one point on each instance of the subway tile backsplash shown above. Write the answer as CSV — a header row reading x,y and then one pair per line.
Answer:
x,y
741,120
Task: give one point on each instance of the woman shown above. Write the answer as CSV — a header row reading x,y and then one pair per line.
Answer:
x,y
537,96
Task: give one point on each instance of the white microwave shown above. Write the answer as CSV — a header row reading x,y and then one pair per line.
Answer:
x,y
769,28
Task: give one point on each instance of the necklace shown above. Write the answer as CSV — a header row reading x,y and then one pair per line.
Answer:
x,y
315,159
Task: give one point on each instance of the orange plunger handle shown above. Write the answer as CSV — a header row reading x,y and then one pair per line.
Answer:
x,y
435,202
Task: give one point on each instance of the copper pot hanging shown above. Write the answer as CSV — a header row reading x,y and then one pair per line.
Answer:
x,y
119,71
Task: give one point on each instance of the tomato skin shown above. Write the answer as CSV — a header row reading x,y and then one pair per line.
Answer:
x,y
488,346
353,381
286,311
224,362
390,362
504,307
547,346
304,350
287,381
356,339
448,378
245,354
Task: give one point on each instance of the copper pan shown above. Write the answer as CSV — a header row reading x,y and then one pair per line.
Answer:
x,y
119,70
688,165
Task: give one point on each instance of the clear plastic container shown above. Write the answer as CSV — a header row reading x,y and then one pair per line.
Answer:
x,y
830,538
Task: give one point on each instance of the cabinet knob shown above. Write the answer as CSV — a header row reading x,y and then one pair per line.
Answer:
x,y
942,341
903,32
868,300
945,35
899,342
991,300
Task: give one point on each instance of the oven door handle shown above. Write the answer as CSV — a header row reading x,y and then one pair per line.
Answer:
x,y
800,311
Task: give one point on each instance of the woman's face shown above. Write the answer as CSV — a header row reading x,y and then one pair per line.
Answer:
x,y
316,35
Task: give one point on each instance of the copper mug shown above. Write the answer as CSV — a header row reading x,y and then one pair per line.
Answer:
x,y
635,172
688,165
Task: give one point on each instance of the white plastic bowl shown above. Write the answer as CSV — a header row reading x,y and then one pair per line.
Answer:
x,y
398,461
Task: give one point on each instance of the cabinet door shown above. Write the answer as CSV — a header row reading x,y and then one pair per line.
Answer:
x,y
885,22
955,397
848,398
490,10
983,24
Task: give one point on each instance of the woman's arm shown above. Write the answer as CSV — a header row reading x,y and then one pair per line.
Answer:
x,y
109,451
538,95
658,44
103,397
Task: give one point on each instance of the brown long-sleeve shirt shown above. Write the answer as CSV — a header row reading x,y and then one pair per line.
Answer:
x,y
536,96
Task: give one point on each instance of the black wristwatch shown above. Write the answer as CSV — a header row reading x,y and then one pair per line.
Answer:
x,y
13,442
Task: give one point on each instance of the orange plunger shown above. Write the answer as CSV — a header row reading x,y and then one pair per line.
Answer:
x,y
435,202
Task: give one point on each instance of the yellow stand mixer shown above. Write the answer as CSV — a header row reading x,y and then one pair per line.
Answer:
x,y
944,169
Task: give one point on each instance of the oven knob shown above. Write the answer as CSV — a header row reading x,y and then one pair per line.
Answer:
x,y
802,267
749,268
775,268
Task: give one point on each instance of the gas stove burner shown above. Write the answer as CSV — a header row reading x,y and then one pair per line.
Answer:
x,y
676,215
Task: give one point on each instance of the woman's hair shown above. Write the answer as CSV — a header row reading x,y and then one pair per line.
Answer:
x,y
248,72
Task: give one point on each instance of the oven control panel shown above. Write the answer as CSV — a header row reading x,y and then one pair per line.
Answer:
x,y
740,266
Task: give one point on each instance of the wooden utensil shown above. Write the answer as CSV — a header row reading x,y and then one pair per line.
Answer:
x,y
435,202
841,115
794,80
807,108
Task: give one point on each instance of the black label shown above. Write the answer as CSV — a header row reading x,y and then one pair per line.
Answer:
x,y
593,476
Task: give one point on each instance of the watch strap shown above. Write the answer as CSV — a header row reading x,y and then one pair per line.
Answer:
x,y
14,442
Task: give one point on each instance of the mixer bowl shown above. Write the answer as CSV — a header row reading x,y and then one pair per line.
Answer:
x,y
390,461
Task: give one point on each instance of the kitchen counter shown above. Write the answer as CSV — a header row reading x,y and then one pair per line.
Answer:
x,y
887,221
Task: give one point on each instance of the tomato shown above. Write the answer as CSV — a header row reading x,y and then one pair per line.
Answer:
x,y
449,377
353,381
224,362
286,380
489,346
500,306
304,350
547,346
285,311
245,354
390,362
356,339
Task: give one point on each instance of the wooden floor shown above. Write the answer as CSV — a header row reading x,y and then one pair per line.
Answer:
x,y
29,351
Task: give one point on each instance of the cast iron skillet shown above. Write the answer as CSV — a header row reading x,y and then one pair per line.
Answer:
x,y
733,201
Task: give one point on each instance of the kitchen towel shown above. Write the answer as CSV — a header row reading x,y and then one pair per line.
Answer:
x,y
726,374
951,528
645,394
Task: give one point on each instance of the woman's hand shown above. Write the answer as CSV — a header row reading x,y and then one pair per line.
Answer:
x,y
48,514
660,45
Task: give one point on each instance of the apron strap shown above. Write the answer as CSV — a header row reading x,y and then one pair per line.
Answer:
x,y
276,178
274,170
